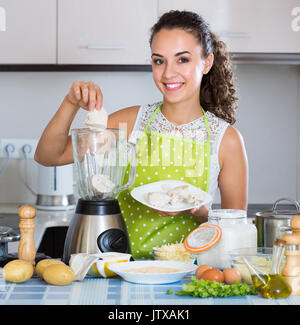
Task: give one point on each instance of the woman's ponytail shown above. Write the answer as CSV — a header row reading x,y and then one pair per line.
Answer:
x,y
217,93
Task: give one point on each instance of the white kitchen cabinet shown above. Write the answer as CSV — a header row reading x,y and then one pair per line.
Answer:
x,y
262,26
29,36
105,31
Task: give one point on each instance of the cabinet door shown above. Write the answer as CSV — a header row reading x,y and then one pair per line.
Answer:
x,y
29,36
263,26
105,31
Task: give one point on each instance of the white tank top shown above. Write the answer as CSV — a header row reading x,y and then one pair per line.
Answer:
x,y
194,130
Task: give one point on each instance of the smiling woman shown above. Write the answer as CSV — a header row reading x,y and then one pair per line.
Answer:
x,y
188,131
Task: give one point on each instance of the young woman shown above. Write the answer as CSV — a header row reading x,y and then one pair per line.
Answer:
x,y
190,130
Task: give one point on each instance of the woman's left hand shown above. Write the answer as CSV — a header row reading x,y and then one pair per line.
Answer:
x,y
201,212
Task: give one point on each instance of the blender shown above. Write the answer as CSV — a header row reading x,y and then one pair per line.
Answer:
x,y
101,158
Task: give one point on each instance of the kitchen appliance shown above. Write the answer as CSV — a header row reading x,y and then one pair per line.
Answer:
x,y
100,161
55,188
7,235
274,223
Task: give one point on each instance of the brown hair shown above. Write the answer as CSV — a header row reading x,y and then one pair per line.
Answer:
x,y
217,93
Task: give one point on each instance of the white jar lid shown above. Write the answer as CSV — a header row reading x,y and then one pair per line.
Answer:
x,y
202,238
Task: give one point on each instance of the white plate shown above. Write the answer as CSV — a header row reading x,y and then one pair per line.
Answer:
x,y
140,194
152,278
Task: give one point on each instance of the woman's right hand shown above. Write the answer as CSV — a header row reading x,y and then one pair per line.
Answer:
x,y
86,95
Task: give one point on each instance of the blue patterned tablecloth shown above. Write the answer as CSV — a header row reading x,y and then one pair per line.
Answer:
x,y
115,291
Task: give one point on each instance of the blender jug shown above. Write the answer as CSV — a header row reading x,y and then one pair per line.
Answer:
x,y
100,161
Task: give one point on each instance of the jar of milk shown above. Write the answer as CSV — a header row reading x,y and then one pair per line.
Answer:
x,y
225,230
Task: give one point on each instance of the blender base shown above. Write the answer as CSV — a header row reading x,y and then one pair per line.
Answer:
x,y
96,227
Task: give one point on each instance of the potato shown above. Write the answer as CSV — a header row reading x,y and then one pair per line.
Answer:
x,y
58,274
18,271
41,265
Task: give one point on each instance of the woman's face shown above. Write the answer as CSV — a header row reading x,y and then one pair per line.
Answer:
x,y
177,65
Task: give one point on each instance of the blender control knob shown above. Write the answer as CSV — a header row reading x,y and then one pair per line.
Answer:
x,y
113,240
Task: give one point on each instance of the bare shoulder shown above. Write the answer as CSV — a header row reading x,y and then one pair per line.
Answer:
x,y
232,145
232,138
126,115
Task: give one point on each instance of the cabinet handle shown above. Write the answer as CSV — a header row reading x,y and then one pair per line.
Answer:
x,y
103,47
234,35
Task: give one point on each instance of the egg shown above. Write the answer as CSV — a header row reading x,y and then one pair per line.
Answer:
x,y
213,275
231,275
201,269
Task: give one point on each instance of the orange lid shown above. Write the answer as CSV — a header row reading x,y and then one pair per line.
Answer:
x,y
202,238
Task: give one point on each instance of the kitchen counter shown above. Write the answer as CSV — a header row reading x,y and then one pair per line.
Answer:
x,y
111,292
115,291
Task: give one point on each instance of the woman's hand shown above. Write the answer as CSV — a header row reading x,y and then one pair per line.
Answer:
x,y
86,95
200,213
55,145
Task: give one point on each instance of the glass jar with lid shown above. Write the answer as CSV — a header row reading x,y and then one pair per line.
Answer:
x,y
226,229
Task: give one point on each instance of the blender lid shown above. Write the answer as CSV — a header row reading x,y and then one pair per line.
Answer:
x,y
101,207
202,238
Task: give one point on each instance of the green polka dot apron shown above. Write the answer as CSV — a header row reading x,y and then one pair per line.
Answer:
x,y
163,157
